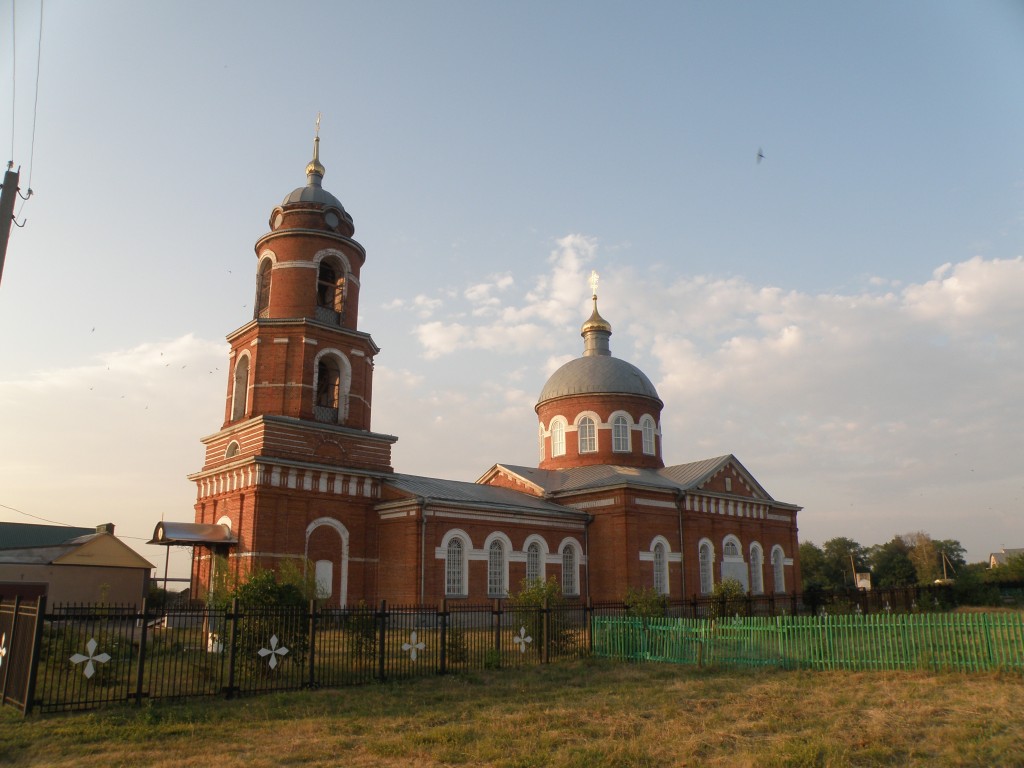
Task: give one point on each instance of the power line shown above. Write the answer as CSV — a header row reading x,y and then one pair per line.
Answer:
x,y
35,100
66,525
14,74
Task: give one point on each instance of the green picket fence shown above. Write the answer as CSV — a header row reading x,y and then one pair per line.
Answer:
x,y
936,641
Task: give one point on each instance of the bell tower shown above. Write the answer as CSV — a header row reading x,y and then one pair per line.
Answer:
x,y
295,468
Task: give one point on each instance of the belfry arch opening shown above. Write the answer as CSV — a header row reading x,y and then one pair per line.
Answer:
x,y
330,292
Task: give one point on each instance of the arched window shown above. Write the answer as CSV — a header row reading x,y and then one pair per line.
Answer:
x,y
496,569
706,557
730,548
620,434
263,281
455,568
557,438
533,572
660,569
328,387
240,388
540,440
587,435
331,384
232,450
756,569
647,427
570,580
330,293
778,569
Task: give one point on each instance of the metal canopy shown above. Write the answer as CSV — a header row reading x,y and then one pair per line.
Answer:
x,y
168,534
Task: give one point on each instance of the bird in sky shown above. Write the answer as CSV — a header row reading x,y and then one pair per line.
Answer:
x,y
760,155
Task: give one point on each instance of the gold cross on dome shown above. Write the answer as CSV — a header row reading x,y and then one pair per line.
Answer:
x,y
317,134
594,277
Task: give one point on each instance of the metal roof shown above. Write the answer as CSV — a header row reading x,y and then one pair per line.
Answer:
x,y
22,535
474,494
681,477
598,374
192,533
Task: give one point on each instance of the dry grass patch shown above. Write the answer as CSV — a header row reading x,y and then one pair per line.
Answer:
x,y
591,713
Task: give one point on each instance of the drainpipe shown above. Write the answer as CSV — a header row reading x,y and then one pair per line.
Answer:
x,y
680,496
423,550
586,548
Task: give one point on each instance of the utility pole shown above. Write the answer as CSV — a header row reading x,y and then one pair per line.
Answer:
x,y
7,195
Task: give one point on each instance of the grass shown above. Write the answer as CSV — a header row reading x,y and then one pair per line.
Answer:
x,y
586,713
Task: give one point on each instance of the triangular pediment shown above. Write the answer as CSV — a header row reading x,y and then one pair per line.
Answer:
x,y
728,476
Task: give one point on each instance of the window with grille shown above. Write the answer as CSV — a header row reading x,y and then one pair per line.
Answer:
x,y
707,582
533,562
569,585
454,569
620,434
647,427
587,435
778,570
756,574
660,569
496,569
557,438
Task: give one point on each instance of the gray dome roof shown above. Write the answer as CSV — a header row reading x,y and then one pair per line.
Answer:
x,y
598,374
314,193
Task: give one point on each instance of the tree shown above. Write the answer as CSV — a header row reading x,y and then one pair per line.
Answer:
x,y
812,566
924,556
891,565
842,555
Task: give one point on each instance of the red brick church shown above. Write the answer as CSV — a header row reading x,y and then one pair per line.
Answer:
x,y
296,472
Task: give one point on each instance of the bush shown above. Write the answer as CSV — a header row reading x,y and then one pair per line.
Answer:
x,y
646,603
528,606
729,599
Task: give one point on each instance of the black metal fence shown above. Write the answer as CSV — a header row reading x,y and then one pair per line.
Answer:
x,y
85,657
91,656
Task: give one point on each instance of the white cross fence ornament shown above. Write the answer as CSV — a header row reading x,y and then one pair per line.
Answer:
x,y
413,646
90,668
273,651
522,639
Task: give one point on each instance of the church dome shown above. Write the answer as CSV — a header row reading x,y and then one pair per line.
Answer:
x,y
314,191
598,374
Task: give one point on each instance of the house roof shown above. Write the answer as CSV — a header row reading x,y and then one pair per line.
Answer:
x,y
21,535
96,549
475,495
679,477
1003,556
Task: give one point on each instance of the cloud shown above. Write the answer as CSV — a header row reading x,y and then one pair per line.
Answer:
x,y
874,408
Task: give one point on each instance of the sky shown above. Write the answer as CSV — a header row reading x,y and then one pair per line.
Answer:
x,y
845,316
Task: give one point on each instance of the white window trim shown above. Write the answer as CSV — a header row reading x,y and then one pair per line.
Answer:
x,y
558,449
778,571
342,531
244,358
756,586
629,431
542,543
441,553
578,553
710,565
344,386
506,551
644,420
597,429
732,539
